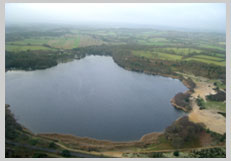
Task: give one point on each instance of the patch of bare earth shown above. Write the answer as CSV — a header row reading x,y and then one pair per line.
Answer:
x,y
210,118
203,89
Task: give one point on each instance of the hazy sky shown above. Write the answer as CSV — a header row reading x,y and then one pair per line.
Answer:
x,y
200,16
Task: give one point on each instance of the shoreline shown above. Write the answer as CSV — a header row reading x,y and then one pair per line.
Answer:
x,y
144,137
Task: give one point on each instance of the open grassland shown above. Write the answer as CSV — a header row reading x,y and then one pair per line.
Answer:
x,y
152,41
204,60
183,51
86,40
153,55
219,106
32,41
212,58
214,46
65,42
177,56
61,42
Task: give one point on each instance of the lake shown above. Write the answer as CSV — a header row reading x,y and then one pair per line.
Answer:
x,y
92,97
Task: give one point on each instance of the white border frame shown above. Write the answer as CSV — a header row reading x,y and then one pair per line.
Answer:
x,y
2,70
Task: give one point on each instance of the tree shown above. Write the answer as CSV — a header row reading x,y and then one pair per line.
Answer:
x,y
66,153
176,153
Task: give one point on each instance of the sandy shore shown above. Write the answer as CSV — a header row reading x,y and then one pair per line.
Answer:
x,y
210,118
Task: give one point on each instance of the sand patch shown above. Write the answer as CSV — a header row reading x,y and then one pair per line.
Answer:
x,y
203,89
211,119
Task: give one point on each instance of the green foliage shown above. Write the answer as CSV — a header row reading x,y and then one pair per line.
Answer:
x,y
209,153
52,145
200,103
219,96
29,61
176,153
12,128
33,141
156,155
66,153
220,106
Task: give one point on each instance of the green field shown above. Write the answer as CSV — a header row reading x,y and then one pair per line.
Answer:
x,y
17,48
153,55
177,56
209,61
62,42
156,44
213,47
213,58
183,51
220,106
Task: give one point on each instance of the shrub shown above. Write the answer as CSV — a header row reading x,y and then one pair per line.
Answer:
x,y
200,103
156,155
66,153
219,96
176,153
52,145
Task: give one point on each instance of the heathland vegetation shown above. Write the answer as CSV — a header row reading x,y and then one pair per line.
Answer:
x,y
196,58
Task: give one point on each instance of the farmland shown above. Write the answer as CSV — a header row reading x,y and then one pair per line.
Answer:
x,y
206,48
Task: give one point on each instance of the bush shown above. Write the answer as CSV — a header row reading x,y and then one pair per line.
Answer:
x,y
210,153
176,153
52,145
219,96
66,153
33,141
157,155
182,99
200,103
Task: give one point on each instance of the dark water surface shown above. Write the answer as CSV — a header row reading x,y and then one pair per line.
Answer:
x,y
92,97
